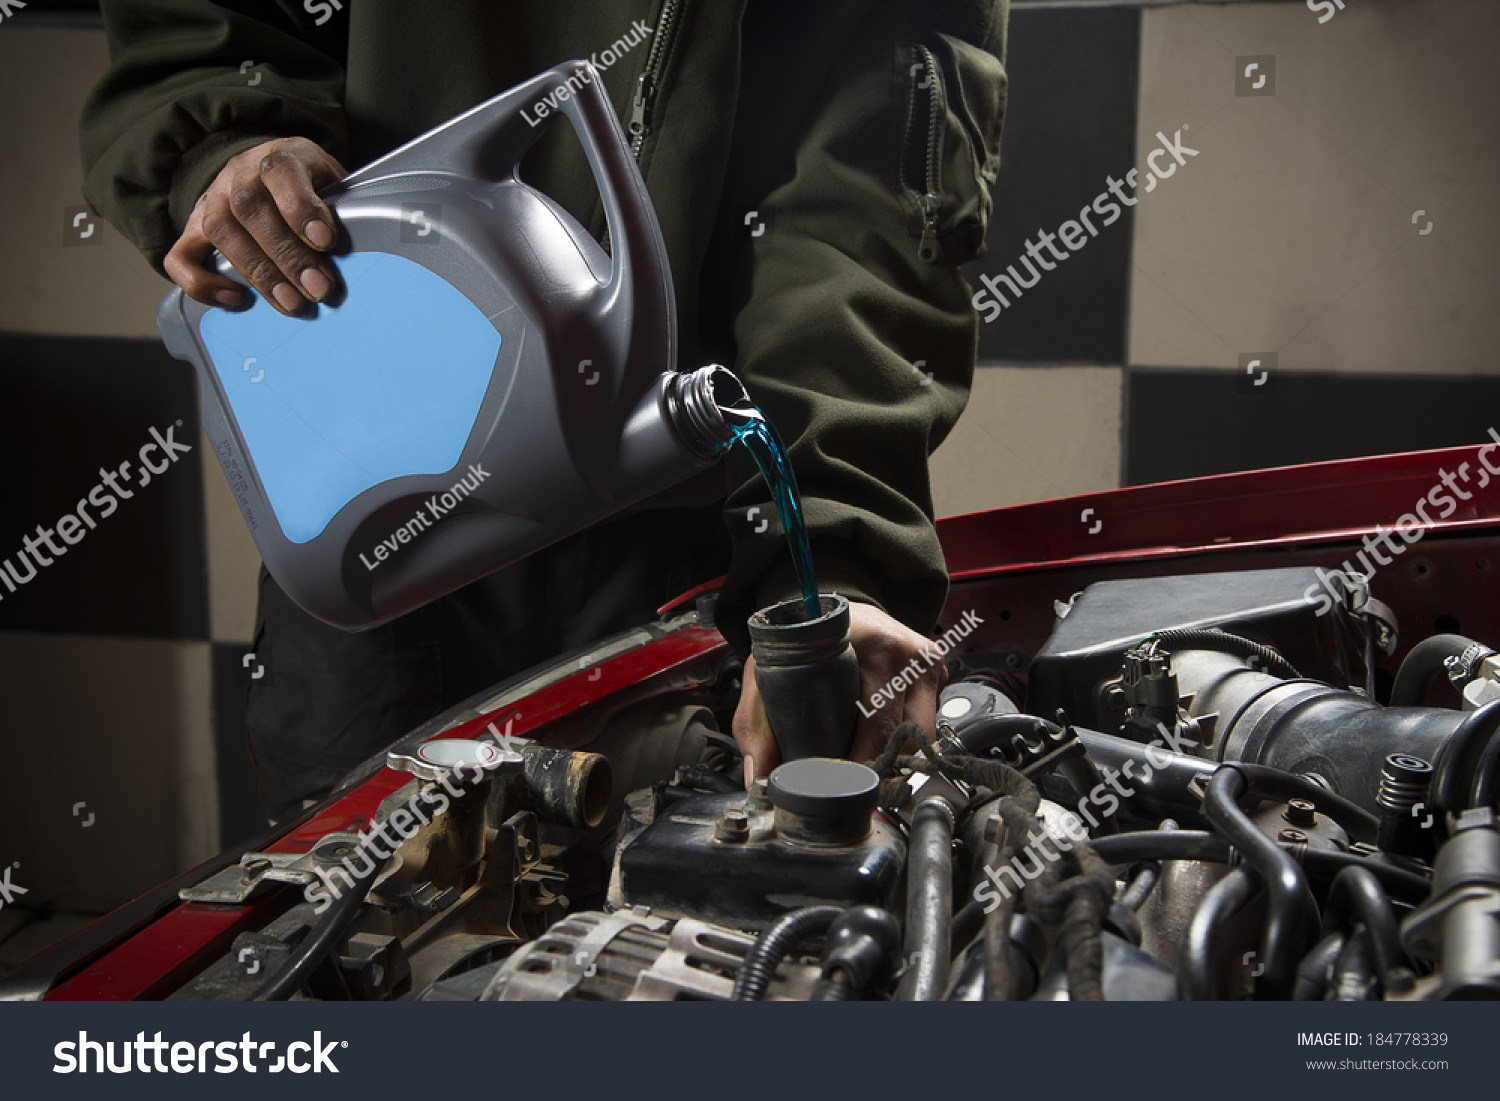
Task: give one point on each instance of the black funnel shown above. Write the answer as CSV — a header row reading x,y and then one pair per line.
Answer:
x,y
808,676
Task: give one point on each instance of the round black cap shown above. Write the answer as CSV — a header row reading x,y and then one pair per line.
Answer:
x,y
821,787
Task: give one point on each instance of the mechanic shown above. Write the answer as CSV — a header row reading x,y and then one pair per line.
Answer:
x,y
820,170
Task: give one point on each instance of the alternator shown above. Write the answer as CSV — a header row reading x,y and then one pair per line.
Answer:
x,y
632,956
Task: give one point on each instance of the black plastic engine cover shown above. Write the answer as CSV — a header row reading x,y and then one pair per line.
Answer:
x,y
1271,607
677,868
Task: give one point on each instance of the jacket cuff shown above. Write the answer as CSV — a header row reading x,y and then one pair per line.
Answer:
x,y
200,165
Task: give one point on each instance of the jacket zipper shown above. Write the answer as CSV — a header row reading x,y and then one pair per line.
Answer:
x,y
646,86
925,190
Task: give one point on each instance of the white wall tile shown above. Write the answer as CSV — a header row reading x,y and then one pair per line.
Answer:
x,y
98,290
1292,230
1030,434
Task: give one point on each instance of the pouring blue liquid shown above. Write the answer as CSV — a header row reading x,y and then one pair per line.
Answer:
x,y
751,428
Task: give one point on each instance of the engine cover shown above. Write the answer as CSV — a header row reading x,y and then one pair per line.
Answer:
x,y
1081,660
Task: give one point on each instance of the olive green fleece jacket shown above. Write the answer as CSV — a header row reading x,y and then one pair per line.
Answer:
x,y
820,169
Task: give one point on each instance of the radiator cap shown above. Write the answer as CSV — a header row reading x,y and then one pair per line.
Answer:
x,y
434,759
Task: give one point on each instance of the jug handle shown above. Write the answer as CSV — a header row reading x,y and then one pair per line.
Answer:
x,y
488,141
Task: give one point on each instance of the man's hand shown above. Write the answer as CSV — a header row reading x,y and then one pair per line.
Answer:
x,y
263,213
884,647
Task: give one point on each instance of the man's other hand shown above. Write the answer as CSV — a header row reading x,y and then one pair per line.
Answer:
x,y
884,647
263,213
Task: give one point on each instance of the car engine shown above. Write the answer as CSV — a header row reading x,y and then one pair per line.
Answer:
x,y
1196,786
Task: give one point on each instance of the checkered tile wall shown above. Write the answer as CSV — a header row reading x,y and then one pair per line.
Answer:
x,y
1302,266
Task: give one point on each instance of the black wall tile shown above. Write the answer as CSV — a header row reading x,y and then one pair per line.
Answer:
x,y
1185,424
70,406
1070,123
240,813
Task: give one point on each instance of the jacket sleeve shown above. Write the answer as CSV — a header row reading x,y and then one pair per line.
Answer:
x,y
191,84
860,350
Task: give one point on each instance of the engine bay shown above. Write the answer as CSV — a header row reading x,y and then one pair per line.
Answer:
x,y
1185,786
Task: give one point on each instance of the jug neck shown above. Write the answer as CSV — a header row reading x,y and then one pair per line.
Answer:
x,y
703,405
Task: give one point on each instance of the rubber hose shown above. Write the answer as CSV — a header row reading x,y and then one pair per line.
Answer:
x,y
1018,812
1283,786
1358,894
771,947
1452,787
1292,914
1421,664
1141,845
1125,849
998,975
1314,973
1486,788
1354,973
706,779
318,943
1402,885
832,990
1196,955
967,924
929,903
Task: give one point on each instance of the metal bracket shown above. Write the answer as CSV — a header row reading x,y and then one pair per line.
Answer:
x,y
256,873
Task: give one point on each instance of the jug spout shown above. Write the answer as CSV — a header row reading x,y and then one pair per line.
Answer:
x,y
678,426
706,406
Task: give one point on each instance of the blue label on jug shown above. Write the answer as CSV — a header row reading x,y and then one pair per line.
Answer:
x,y
385,385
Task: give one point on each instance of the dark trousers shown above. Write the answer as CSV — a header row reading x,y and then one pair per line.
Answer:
x,y
330,698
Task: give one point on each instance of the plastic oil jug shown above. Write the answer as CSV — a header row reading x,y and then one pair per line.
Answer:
x,y
486,380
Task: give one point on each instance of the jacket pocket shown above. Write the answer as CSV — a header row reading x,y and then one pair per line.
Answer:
x,y
951,95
